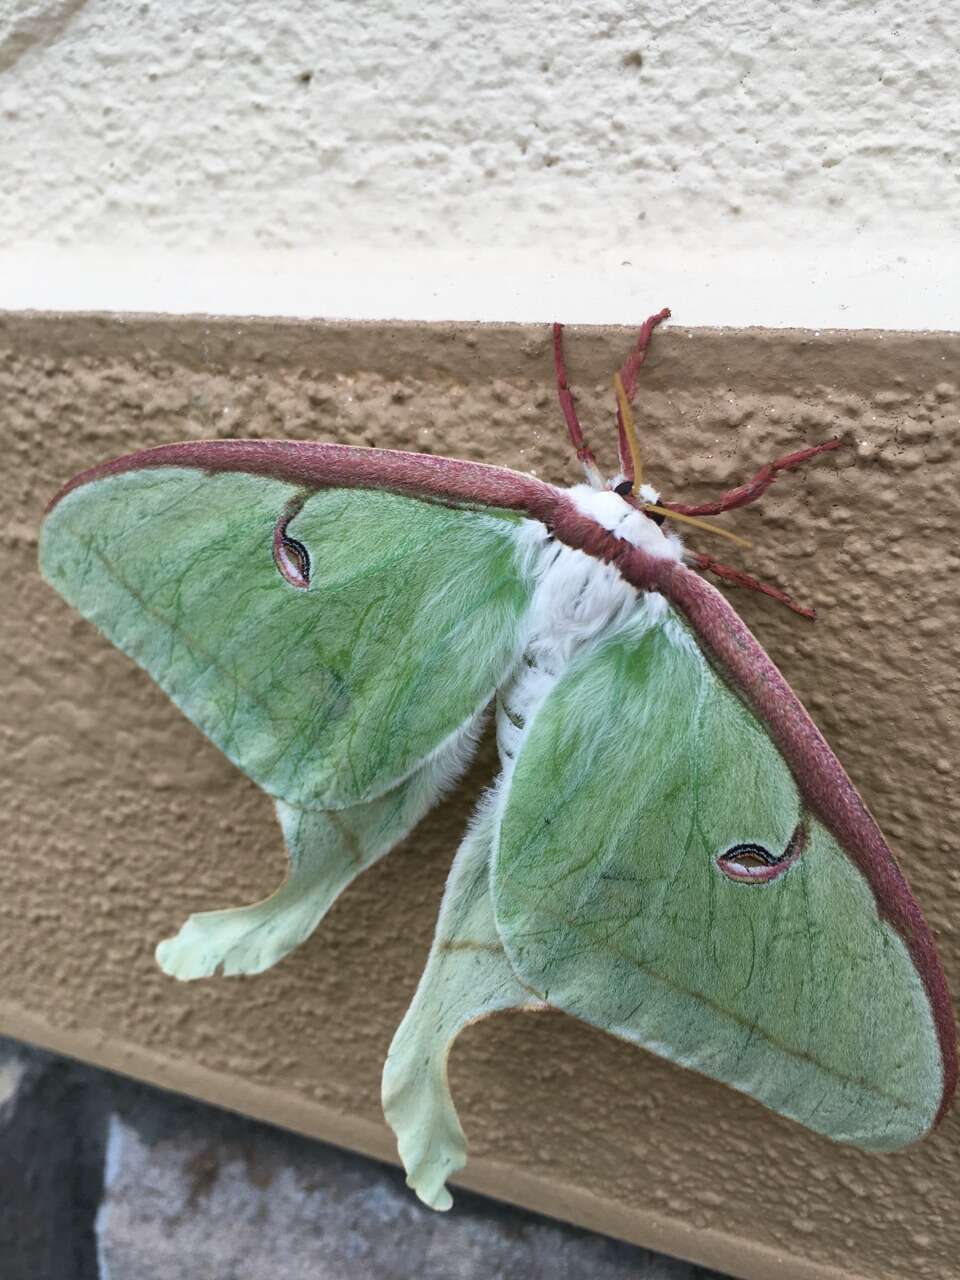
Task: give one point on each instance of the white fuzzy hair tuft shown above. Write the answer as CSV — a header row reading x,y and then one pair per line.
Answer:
x,y
626,522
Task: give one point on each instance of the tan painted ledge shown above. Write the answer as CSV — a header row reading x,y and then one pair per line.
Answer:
x,y
120,819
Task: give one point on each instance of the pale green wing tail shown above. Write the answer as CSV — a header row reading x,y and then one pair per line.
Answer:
x,y
330,697
328,849
657,876
467,977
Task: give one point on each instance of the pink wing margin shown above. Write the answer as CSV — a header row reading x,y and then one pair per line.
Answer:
x,y
725,639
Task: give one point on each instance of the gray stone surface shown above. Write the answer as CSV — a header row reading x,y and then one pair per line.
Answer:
x,y
53,1122
105,1179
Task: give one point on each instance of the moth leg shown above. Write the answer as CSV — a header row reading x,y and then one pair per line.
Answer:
x,y
757,486
737,578
628,377
569,410
328,849
467,977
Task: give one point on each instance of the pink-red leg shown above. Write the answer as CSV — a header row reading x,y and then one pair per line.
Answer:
x,y
584,452
755,488
628,376
736,578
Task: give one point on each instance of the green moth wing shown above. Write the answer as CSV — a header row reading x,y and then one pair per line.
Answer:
x,y
325,696
467,977
337,643
658,875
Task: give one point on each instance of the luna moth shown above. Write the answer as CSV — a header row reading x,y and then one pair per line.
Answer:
x,y
671,851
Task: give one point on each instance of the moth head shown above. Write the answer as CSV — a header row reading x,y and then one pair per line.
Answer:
x,y
646,494
634,491
628,484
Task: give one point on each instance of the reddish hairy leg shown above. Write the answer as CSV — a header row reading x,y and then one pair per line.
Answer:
x,y
755,488
741,497
628,376
737,578
728,501
584,452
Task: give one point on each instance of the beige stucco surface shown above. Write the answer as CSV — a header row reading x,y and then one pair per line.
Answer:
x,y
119,818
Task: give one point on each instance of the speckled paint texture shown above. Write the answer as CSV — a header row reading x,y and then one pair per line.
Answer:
x,y
120,818
448,160
348,112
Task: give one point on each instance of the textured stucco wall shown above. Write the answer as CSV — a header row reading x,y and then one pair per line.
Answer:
x,y
772,162
119,818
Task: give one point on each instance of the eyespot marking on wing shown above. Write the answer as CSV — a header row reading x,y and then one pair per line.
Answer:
x,y
290,556
751,863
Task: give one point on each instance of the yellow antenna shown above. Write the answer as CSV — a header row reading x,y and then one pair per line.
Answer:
x,y
700,524
630,431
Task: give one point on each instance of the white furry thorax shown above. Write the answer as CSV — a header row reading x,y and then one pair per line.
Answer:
x,y
576,599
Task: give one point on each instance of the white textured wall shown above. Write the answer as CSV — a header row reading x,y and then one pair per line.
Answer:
x,y
766,161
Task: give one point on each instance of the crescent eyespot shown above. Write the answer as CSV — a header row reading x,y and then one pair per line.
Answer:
x,y
751,863
290,556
